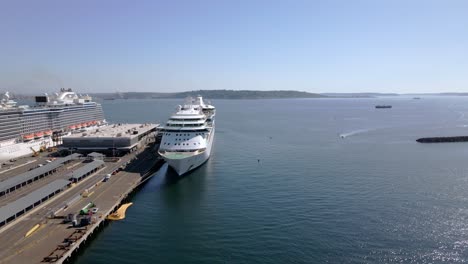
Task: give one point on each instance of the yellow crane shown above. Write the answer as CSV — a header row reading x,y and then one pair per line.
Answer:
x,y
35,153
43,146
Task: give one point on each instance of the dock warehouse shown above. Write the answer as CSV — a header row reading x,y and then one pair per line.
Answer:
x,y
88,169
28,177
14,209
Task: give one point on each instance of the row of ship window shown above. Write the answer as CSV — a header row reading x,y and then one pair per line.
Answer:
x,y
181,144
184,125
196,134
185,119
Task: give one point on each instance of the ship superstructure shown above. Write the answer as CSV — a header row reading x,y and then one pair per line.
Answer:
x,y
188,136
25,129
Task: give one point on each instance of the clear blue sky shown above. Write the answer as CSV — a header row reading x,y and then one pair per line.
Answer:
x,y
317,46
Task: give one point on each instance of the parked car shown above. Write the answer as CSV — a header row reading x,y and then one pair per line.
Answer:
x,y
94,210
108,176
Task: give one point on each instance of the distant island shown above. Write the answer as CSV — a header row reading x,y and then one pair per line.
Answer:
x,y
244,94
211,94
359,95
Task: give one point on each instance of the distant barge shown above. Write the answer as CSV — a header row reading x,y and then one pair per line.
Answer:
x,y
443,139
383,106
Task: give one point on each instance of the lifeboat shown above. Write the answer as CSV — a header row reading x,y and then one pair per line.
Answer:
x,y
38,135
48,133
28,136
72,127
78,126
83,125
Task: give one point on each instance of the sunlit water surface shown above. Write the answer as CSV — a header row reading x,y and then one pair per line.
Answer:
x,y
304,181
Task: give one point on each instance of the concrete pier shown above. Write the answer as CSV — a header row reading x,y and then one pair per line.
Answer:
x,y
55,241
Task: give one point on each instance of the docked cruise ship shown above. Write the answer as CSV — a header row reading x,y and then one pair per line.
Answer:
x,y
26,129
188,136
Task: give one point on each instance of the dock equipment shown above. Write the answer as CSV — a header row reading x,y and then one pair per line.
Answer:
x,y
26,203
28,177
85,210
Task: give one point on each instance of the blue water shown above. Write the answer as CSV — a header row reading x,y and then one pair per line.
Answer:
x,y
338,181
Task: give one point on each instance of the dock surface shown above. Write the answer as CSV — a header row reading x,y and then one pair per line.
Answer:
x,y
52,240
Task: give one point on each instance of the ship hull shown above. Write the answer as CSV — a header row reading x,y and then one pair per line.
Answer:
x,y
184,165
21,149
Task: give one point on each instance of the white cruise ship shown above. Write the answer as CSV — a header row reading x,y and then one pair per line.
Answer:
x,y
188,136
26,129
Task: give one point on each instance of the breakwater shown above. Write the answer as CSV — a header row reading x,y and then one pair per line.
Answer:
x,y
443,139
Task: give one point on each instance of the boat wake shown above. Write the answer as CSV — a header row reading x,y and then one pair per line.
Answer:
x,y
355,132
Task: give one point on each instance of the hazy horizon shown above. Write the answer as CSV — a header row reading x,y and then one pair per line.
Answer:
x,y
314,46
49,91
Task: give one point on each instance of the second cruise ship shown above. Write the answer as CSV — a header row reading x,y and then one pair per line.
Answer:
x,y
188,136
27,129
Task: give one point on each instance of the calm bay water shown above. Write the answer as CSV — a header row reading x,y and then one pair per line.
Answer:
x,y
338,181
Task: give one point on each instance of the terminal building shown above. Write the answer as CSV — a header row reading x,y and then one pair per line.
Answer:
x,y
112,140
